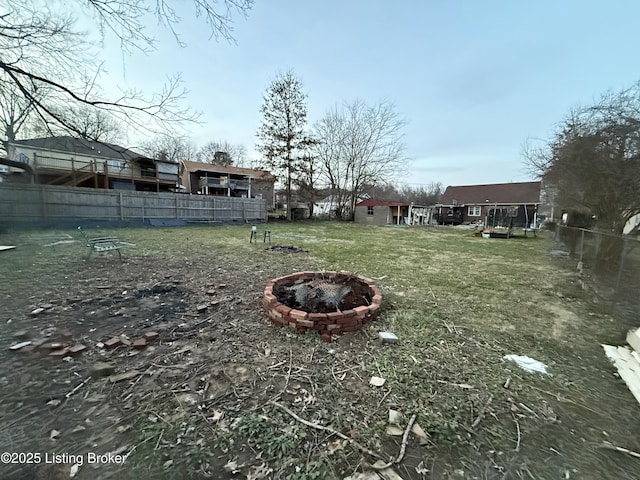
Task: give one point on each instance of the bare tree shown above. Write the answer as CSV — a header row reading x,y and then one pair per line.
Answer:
x,y
593,162
15,111
170,147
359,146
41,48
222,152
282,134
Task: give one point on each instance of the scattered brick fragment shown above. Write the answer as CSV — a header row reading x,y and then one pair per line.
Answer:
x,y
63,352
151,336
139,343
79,348
112,343
202,308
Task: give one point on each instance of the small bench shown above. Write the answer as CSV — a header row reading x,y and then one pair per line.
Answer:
x,y
104,244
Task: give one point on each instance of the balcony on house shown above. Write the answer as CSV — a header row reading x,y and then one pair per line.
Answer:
x,y
224,182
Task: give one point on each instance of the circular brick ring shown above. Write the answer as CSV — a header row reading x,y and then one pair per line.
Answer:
x,y
326,324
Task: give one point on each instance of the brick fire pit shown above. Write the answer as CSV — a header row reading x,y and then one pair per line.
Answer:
x,y
295,301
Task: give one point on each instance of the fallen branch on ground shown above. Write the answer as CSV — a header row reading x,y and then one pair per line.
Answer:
x,y
326,429
403,447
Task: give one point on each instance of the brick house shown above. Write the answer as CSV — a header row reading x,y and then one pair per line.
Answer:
x,y
498,204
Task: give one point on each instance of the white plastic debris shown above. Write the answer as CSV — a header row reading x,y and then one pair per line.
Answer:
x,y
377,381
528,364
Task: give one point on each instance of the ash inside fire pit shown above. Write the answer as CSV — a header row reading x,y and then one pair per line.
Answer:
x,y
323,295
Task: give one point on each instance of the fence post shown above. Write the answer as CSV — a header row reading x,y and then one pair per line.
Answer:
x,y
176,206
120,205
581,244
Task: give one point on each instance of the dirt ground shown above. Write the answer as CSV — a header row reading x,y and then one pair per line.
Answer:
x,y
221,393
215,360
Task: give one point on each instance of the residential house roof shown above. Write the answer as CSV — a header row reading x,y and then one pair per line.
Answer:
x,y
374,202
190,166
518,193
80,146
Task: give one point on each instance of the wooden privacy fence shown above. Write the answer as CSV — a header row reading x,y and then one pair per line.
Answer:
x,y
20,203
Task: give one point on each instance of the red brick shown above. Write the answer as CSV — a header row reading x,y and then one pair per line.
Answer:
x,y
377,299
151,336
268,290
77,349
376,291
50,346
298,314
139,343
373,309
333,326
112,343
349,313
211,292
274,314
361,311
318,317
306,323
367,280
270,297
59,353
283,309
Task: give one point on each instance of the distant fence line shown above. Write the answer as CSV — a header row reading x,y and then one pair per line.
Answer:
x,y
613,261
51,205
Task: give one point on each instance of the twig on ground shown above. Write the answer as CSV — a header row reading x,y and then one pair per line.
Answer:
x,y
158,442
403,446
611,446
75,389
566,400
480,416
515,419
326,429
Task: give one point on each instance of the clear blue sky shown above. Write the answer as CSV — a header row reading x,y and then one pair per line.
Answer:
x,y
473,79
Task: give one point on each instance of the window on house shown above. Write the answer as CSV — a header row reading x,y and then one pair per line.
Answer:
x,y
369,210
475,210
116,164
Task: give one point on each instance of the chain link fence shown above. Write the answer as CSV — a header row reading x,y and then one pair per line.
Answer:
x,y
613,264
